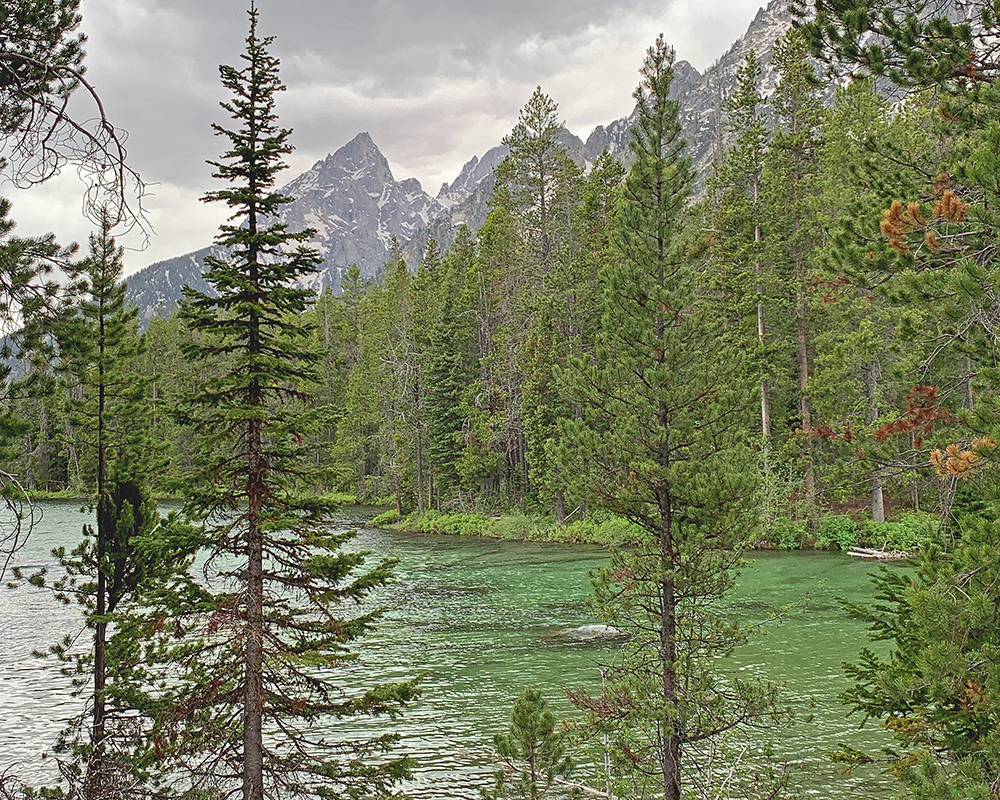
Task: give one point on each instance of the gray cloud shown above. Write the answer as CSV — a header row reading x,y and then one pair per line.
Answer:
x,y
434,82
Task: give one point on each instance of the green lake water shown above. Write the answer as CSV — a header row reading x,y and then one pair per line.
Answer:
x,y
479,620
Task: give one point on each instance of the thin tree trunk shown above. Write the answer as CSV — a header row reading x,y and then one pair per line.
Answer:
x,y
765,399
253,706
95,769
670,743
420,474
253,698
878,501
803,367
970,400
871,386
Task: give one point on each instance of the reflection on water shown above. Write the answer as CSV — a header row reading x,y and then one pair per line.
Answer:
x,y
475,618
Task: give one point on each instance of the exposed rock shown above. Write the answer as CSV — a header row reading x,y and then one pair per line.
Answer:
x,y
356,206
589,633
350,199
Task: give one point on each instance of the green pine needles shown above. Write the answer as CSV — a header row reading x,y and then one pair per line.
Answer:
x,y
662,440
251,699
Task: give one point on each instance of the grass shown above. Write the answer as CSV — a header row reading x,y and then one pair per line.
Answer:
x,y
835,532
514,527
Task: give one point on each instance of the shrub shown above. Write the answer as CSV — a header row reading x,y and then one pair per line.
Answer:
x,y
453,524
786,533
839,531
520,526
385,519
907,531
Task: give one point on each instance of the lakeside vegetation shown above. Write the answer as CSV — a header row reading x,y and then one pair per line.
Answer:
x,y
905,533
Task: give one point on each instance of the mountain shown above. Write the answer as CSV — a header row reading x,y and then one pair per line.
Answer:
x,y
354,204
469,203
357,207
699,96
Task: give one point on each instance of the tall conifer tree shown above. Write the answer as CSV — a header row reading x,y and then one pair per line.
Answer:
x,y
790,233
257,679
98,342
661,442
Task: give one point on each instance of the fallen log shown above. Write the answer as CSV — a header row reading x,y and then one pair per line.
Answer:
x,y
879,555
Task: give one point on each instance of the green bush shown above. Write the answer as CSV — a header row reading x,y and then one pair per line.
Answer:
x,y
786,533
610,530
839,531
385,519
452,524
520,526
907,531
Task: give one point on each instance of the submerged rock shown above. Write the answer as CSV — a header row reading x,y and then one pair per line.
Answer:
x,y
587,633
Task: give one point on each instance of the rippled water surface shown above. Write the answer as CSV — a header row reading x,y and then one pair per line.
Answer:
x,y
479,620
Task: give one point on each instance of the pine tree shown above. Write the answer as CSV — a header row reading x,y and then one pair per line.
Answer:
x,y
257,663
98,344
41,70
662,442
450,366
935,686
529,174
28,302
111,570
738,216
911,44
867,356
790,232
532,751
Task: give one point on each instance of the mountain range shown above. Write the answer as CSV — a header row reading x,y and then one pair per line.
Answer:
x,y
359,210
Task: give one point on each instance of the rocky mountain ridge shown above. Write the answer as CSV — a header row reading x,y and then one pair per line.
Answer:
x,y
359,210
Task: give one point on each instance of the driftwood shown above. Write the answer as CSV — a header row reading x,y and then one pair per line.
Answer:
x,y
879,555
585,789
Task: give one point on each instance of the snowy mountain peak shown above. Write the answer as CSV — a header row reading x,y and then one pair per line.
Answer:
x,y
471,176
355,205
349,198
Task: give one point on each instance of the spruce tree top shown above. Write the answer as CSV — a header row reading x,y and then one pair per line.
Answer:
x,y
256,300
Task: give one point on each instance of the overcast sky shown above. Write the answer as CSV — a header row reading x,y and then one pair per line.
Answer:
x,y
434,82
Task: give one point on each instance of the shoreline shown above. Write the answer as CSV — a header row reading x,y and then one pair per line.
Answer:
x,y
904,533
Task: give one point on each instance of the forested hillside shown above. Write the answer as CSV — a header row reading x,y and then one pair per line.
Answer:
x,y
450,384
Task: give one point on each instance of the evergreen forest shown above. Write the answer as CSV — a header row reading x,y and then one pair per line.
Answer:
x,y
797,350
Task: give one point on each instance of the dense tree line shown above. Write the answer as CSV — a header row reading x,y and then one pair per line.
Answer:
x,y
444,374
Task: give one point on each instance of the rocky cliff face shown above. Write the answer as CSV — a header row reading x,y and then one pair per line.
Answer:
x,y
357,207
350,199
701,96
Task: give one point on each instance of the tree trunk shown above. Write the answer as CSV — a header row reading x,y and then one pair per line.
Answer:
x,y
253,690
253,700
420,473
105,522
878,503
670,752
765,399
871,387
670,743
803,366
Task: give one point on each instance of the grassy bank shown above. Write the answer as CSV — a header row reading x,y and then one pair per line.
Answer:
x,y
73,494
833,532
340,498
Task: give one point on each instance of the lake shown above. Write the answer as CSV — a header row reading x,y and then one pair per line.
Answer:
x,y
479,620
